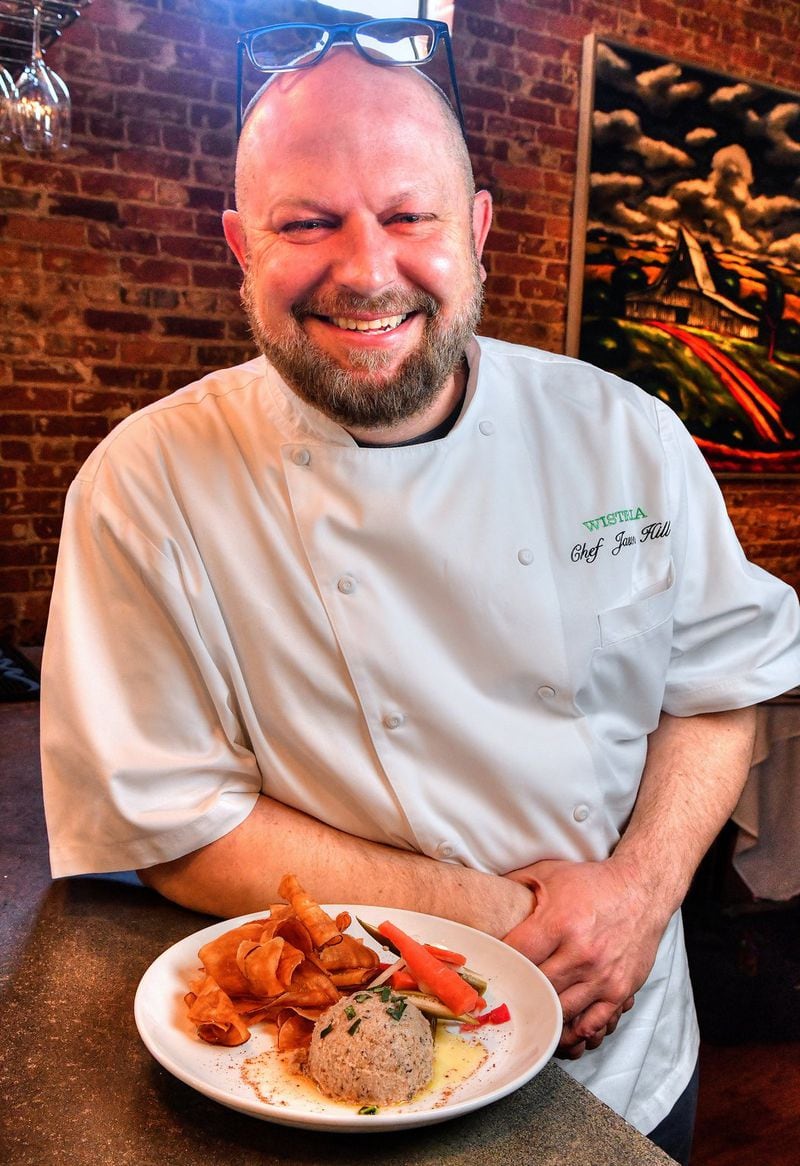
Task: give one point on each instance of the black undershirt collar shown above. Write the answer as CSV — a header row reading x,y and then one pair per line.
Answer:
x,y
440,430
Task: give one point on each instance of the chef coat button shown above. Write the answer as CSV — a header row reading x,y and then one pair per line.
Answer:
x,y
301,457
346,585
580,813
393,720
525,556
445,850
486,428
546,692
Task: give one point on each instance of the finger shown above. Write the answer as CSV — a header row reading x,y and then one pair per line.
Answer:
x,y
536,943
564,975
571,1052
596,1018
578,999
613,1022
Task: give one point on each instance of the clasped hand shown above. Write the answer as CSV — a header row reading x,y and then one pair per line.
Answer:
x,y
595,936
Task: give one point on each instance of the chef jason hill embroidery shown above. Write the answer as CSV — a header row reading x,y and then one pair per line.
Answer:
x,y
587,553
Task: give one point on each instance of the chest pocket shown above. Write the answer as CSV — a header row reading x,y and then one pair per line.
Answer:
x,y
627,672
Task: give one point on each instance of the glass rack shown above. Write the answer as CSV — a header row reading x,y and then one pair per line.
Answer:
x,y
16,20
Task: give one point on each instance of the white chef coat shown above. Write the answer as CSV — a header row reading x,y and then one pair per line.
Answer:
x,y
457,647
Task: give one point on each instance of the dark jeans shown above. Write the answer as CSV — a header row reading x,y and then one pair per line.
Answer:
x,y
674,1134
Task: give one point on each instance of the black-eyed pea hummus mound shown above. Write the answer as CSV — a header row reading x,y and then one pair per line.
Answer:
x,y
372,1048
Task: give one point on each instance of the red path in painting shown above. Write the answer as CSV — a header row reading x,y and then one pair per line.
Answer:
x,y
762,410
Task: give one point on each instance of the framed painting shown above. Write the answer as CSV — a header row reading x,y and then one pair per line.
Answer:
x,y
685,267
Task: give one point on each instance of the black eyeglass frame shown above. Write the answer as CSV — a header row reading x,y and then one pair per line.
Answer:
x,y
338,34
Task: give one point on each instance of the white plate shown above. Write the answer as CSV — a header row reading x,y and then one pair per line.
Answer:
x,y
516,1051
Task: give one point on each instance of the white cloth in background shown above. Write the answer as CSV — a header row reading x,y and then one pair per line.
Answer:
x,y
457,647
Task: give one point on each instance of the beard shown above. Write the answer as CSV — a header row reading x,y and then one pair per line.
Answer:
x,y
366,394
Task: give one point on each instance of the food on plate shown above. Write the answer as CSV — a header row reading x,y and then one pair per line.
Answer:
x,y
362,1030
373,1046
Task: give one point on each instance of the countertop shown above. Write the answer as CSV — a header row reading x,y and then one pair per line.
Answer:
x,y
78,1087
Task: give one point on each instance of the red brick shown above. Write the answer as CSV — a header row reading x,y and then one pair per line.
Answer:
x,y
117,321
80,263
107,237
15,451
46,231
20,171
155,271
121,186
137,352
98,209
34,399
217,277
153,162
46,474
118,376
193,326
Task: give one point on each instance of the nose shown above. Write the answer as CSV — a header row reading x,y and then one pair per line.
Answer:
x,y
366,262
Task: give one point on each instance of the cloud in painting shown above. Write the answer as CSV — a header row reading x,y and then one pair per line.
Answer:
x,y
731,97
662,89
700,136
622,128
788,249
774,126
724,206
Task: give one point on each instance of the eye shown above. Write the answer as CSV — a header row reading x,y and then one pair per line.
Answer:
x,y
410,218
305,226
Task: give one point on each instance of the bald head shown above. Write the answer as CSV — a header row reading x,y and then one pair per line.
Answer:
x,y
312,106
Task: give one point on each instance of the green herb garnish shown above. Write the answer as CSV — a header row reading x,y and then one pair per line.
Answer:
x,y
349,1011
325,1031
397,1008
354,1027
368,1110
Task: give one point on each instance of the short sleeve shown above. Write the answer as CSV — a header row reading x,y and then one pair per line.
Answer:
x,y
736,633
143,757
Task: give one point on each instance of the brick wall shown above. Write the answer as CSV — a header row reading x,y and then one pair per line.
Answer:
x,y
117,286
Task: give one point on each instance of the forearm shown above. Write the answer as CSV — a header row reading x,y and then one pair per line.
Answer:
x,y
695,770
240,872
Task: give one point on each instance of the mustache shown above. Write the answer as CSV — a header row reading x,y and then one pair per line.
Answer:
x,y
389,303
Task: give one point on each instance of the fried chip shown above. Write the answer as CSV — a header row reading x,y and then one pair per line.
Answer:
x,y
294,1030
310,988
218,1021
292,930
321,927
350,953
268,967
219,957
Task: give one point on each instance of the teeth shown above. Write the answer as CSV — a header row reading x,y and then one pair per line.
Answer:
x,y
381,325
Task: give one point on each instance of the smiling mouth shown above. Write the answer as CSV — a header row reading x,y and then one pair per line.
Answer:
x,y
382,324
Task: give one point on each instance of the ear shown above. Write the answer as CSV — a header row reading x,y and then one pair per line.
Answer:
x,y
481,222
234,233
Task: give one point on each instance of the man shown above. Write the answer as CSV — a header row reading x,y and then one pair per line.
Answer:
x,y
431,622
